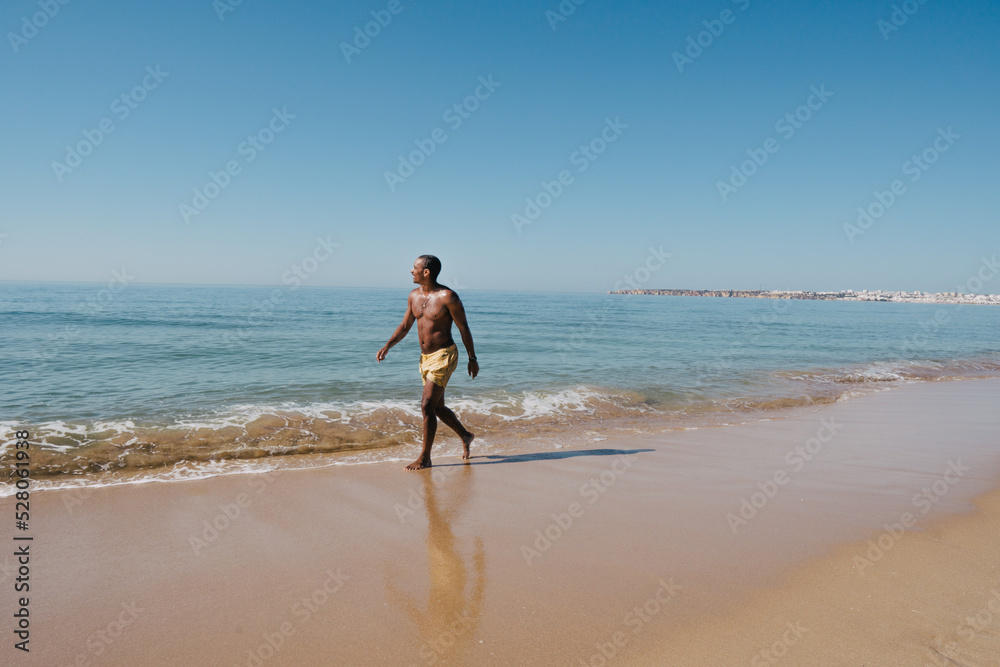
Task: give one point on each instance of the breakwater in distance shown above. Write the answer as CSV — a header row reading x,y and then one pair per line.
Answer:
x,y
846,295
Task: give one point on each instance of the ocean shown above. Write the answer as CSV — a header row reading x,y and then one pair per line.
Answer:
x,y
142,383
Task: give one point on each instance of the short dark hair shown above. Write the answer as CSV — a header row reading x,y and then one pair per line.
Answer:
x,y
433,264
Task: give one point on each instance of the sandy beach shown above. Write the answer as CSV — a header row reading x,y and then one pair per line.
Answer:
x,y
488,334
857,533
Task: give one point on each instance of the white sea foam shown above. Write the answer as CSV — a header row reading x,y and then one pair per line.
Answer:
x,y
397,421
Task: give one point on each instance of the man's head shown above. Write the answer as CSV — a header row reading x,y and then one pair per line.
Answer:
x,y
428,263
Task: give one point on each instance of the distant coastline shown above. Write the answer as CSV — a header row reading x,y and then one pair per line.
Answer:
x,y
846,295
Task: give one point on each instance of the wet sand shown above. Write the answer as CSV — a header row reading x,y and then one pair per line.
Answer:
x,y
695,547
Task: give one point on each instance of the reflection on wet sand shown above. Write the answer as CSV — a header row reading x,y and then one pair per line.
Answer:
x,y
448,622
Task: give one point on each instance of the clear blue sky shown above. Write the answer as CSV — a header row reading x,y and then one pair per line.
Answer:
x,y
656,184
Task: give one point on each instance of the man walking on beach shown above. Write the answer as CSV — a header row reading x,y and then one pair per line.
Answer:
x,y
434,307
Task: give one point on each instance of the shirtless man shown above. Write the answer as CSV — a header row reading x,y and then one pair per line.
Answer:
x,y
434,307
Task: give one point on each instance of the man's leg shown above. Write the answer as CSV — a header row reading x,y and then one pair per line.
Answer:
x,y
432,396
449,418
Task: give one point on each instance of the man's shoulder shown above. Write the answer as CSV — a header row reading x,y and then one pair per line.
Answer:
x,y
448,294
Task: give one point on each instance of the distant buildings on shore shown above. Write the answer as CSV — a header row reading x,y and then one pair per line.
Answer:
x,y
846,295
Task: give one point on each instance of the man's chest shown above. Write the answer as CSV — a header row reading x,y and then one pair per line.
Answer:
x,y
430,310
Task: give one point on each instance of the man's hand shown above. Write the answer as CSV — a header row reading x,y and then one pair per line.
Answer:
x,y
473,369
380,355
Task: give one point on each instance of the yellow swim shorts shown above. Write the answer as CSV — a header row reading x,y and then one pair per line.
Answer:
x,y
438,366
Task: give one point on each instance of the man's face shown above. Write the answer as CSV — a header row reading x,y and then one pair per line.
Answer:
x,y
418,271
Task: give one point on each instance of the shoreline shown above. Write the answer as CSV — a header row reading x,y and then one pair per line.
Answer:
x,y
529,558
307,437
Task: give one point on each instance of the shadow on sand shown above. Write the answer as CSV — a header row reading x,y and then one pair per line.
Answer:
x,y
541,456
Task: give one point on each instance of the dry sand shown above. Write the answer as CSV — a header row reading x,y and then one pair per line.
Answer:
x,y
631,552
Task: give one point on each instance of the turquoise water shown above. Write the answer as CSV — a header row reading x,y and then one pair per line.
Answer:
x,y
153,377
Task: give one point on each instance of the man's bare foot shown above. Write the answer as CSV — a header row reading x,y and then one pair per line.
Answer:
x,y
420,464
465,444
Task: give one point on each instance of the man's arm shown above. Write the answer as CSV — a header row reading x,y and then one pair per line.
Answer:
x,y
457,311
400,332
